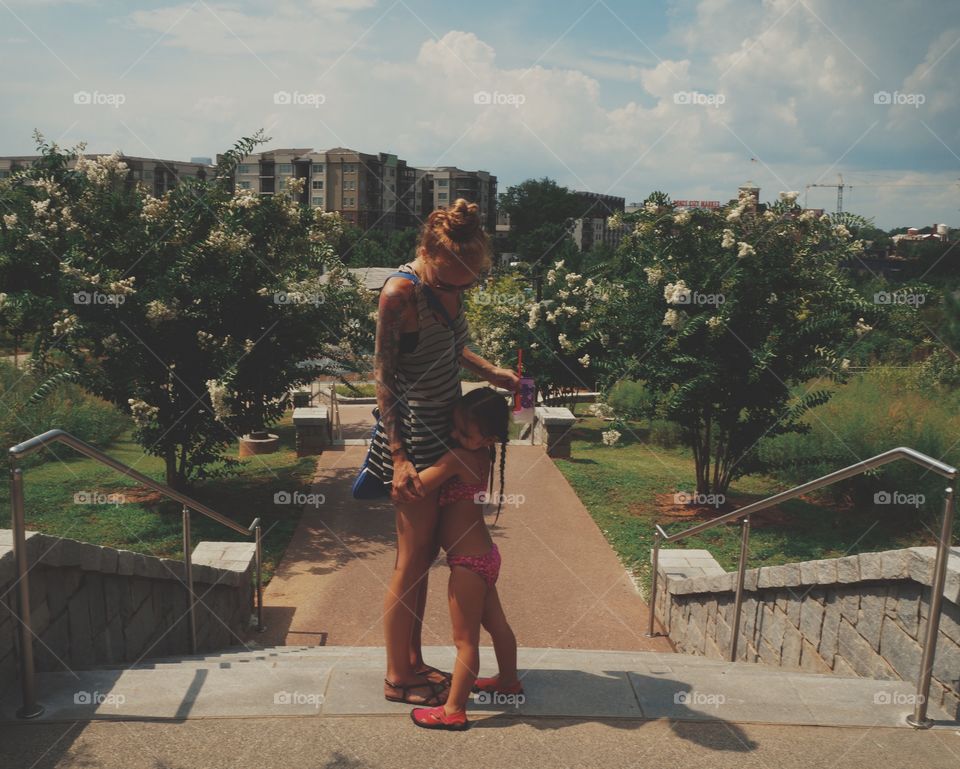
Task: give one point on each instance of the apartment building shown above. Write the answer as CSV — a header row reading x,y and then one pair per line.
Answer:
x,y
158,175
590,228
368,190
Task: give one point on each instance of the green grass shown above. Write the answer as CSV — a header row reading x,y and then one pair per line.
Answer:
x,y
620,486
148,524
360,390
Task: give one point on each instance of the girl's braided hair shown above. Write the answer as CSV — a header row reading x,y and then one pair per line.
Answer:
x,y
490,411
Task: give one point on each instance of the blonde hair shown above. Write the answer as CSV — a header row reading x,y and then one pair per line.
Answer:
x,y
456,234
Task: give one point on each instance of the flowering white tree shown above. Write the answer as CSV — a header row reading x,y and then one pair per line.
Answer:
x,y
725,311
194,310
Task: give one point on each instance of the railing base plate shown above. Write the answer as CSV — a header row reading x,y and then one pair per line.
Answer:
x,y
36,712
926,723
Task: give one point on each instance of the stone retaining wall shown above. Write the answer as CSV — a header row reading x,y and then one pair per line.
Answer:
x,y
93,605
860,615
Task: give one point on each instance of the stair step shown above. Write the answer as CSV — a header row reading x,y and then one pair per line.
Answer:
x,y
326,681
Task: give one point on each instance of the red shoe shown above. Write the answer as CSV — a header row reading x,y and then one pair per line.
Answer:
x,y
437,718
492,685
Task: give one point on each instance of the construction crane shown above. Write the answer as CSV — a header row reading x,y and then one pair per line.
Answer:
x,y
840,186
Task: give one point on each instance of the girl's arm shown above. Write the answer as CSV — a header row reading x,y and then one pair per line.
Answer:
x,y
454,462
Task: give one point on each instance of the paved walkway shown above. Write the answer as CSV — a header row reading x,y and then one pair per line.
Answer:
x,y
561,584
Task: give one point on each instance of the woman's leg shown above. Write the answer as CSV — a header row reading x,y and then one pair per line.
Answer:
x,y
416,636
466,593
416,538
504,641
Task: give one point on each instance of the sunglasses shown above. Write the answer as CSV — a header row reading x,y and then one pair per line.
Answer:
x,y
443,286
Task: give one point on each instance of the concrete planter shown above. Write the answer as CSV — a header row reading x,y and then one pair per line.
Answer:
x,y
259,443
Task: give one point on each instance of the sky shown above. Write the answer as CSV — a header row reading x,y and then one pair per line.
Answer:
x,y
691,97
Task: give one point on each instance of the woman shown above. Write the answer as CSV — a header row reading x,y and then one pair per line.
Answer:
x,y
420,347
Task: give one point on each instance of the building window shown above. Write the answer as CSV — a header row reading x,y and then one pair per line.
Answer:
x,y
284,168
243,185
243,169
351,201
148,173
443,182
317,184
391,171
349,168
441,196
350,185
317,200
317,168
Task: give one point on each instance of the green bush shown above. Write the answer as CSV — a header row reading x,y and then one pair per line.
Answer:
x,y
66,406
875,412
630,399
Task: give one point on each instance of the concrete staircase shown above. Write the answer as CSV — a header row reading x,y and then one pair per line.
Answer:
x,y
325,681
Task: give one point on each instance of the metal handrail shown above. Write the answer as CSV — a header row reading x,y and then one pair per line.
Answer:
x,y
918,719
31,707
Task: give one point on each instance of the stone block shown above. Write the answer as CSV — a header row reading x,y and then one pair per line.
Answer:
x,y
857,651
811,621
772,628
108,560
850,606
946,663
895,564
793,607
91,557
900,650
790,652
125,562
908,607
870,566
871,614
808,572
810,660
826,571
787,575
848,569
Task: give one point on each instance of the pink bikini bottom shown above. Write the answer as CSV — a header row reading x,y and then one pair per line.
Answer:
x,y
486,565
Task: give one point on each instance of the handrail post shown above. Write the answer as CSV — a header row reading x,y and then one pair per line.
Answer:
x,y
259,565
188,567
28,680
918,719
653,584
741,571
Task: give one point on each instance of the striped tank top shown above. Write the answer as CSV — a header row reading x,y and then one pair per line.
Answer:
x,y
427,386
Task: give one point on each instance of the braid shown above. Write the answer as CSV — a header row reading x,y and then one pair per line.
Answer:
x,y
503,465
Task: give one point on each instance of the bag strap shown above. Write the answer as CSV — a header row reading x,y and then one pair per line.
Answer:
x,y
432,300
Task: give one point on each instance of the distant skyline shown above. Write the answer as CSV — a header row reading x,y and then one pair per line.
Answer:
x,y
692,97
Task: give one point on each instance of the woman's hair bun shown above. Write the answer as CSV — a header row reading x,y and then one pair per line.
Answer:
x,y
461,220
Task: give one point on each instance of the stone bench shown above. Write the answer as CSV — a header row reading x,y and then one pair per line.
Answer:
x,y
551,428
314,432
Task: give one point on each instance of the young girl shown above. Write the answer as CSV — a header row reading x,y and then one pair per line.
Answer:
x,y
480,420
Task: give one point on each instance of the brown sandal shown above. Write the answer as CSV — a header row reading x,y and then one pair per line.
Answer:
x,y
438,693
428,670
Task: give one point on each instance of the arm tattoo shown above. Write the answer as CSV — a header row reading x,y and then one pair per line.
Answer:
x,y
386,358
